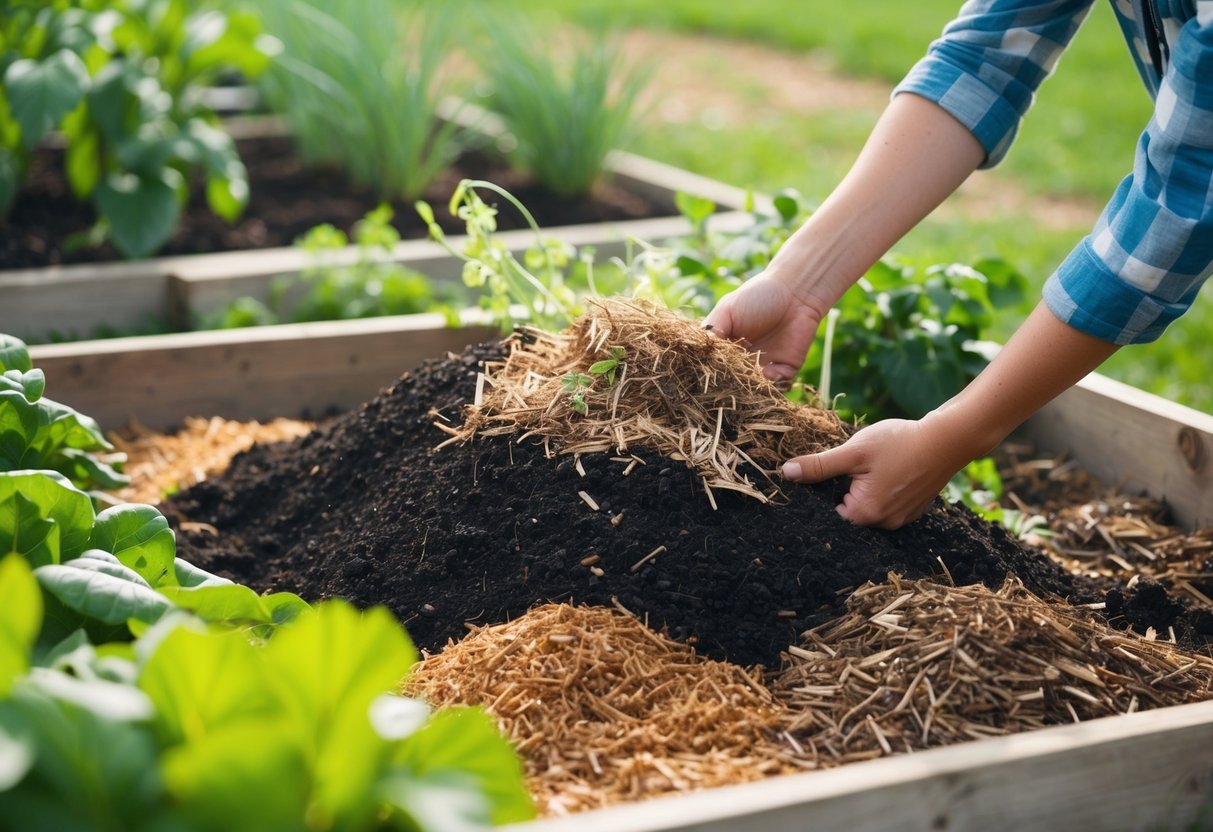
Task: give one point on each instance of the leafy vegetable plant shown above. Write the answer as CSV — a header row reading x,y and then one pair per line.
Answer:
x,y
140,692
565,116
333,289
577,385
121,81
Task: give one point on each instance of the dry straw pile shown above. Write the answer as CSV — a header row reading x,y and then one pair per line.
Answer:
x,y
923,664
605,710
158,463
677,390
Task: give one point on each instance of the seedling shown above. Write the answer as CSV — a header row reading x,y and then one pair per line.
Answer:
x,y
578,384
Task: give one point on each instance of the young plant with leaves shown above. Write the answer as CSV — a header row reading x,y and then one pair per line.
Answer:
x,y
360,82
566,114
121,82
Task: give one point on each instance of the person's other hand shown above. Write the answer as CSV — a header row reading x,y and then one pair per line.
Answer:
x,y
767,316
897,468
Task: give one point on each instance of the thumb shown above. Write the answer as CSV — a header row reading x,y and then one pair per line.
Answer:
x,y
720,319
811,468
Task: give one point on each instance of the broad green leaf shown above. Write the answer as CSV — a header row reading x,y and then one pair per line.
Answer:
x,y
17,747
327,667
466,741
83,163
13,354
25,532
140,537
202,682
87,471
57,500
918,380
99,771
697,209
41,93
106,598
108,700
440,801
142,212
246,776
31,383
99,560
227,196
20,618
189,575
19,431
232,604
787,206
65,427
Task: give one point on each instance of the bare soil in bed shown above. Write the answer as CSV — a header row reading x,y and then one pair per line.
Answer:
x,y
286,200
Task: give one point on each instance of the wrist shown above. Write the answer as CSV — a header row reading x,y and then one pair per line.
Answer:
x,y
962,432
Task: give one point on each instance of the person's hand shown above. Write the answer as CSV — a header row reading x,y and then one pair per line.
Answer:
x,y
897,468
767,316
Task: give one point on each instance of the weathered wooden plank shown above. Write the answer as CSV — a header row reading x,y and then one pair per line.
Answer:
x,y
299,370
1148,770
1139,441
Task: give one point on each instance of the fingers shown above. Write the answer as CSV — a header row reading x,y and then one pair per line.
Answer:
x,y
845,459
720,320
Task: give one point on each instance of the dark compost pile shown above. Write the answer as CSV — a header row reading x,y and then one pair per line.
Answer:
x,y
364,508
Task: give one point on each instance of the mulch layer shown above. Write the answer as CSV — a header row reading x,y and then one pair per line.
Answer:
x,y
476,534
286,200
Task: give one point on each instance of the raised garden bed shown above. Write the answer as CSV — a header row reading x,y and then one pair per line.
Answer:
x,y
1128,770
170,292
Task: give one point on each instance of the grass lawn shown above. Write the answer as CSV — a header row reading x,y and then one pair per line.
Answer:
x,y
1077,142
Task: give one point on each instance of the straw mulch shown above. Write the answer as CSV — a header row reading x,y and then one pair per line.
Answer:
x,y
604,710
160,464
920,664
678,390
1100,532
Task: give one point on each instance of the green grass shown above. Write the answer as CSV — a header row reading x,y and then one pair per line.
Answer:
x,y
1077,141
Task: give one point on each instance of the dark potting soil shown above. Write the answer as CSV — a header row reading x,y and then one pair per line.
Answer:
x,y
364,509
285,201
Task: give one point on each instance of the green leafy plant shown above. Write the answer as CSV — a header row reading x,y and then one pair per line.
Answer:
x,y
906,338
535,291
361,96
36,432
334,289
140,692
578,385
565,115
121,81
980,487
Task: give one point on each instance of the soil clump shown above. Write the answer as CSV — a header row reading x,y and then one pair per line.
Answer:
x,y
364,509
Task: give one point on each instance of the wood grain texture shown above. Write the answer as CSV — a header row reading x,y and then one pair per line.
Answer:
x,y
1144,771
295,370
1135,440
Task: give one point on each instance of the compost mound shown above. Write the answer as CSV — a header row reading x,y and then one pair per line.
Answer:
x,y
364,508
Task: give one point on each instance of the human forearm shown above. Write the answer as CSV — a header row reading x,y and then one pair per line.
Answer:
x,y
916,156
1043,358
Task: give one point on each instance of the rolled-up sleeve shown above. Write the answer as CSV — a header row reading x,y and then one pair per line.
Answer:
x,y
1152,248
986,66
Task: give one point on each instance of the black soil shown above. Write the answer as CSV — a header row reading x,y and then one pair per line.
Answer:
x,y
364,509
286,199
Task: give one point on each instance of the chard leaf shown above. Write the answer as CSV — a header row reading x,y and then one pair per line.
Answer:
x,y
142,211
106,598
466,742
31,383
19,422
200,682
20,618
109,700
229,604
140,537
57,500
189,575
41,93
13,354
86,470
25,532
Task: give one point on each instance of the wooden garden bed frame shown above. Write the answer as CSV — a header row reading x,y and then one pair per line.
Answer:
x,y
1146,770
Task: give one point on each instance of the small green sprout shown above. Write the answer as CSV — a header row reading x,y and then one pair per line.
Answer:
x,y
578,384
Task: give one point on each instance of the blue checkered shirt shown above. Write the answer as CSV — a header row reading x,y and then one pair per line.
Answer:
x,y
1152,247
